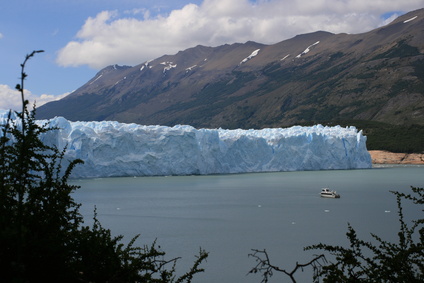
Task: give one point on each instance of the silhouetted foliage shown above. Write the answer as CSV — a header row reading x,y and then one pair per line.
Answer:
x,y
267,269
42,237
363,261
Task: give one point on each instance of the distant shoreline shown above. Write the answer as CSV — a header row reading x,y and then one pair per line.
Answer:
x,y
386,157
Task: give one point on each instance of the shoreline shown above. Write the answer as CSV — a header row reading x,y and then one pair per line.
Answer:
x,y
387,157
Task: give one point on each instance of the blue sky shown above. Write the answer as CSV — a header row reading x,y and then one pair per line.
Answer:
x,y
80,37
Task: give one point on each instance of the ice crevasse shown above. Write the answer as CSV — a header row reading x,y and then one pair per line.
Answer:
x,y
117,149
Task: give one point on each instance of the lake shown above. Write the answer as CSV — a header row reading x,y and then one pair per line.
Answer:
x,y
228,215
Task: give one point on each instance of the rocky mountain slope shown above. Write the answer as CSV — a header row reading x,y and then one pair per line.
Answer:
x,y
386,157
311,78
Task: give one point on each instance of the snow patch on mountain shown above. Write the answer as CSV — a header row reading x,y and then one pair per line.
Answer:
x,y
411,19
285,57
307,50
168,66
253,54
101,75
146,65
190,68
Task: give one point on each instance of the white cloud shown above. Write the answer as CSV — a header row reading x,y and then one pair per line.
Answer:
x,y
136,36
44,98
1,35
11,98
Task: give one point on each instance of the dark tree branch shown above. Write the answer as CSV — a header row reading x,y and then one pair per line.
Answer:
x,y
267,269
20,87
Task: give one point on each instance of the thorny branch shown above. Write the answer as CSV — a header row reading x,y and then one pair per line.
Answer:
x,y
20,87
265,267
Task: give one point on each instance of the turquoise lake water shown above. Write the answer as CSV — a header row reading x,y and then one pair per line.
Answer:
x,y
228,215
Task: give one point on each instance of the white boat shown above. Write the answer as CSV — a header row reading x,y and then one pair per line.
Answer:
x,y
327,193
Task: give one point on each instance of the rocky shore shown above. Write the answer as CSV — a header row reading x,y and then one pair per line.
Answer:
x,y
386,157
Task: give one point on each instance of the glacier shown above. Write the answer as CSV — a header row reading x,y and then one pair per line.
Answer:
x,y
112,149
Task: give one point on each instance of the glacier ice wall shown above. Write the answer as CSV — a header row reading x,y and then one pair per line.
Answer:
x,y
117,149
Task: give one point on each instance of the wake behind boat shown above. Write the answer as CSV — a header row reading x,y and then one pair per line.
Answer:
x,y
327,193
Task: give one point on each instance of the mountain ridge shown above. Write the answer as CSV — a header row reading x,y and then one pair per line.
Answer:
x,y
376,76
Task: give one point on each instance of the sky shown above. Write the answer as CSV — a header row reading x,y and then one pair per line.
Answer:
x,y
80,37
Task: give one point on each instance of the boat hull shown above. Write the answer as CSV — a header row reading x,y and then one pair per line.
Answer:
x,y
330,196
